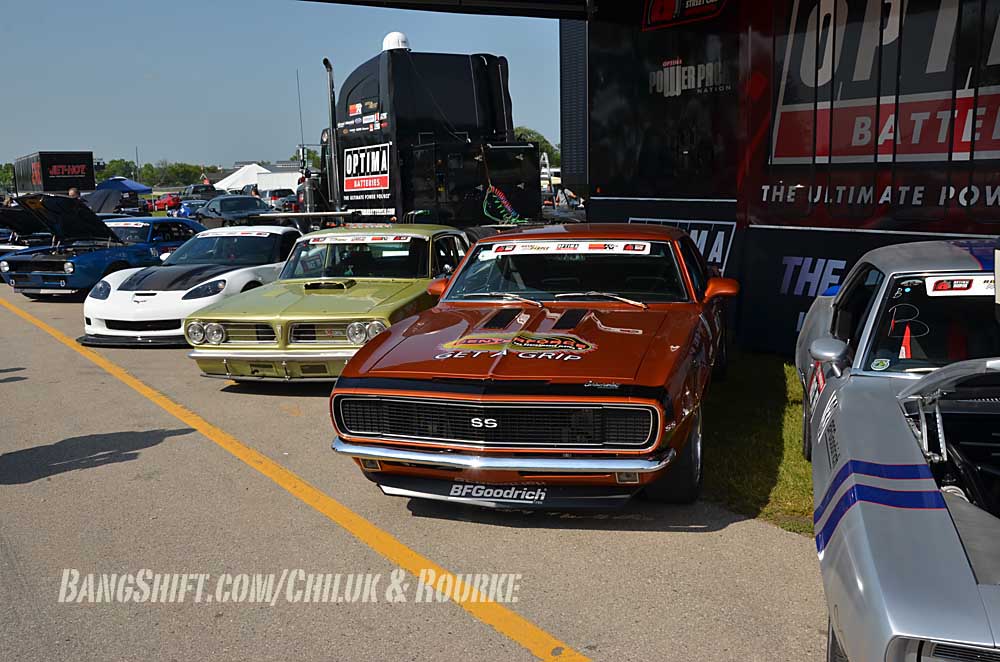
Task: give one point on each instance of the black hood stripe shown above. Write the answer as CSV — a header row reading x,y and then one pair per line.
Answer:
x,y
173,278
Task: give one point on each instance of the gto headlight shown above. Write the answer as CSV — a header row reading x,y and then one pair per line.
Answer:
x,y
100,291
196,333
214,333
375,328
4,267
68,267
357,333
208,289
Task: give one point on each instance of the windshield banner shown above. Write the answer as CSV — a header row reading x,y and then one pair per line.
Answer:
x,y
125,224
576,247
359,238
959,286
235,233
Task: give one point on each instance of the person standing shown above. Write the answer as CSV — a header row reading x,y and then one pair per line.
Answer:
x,y
74,192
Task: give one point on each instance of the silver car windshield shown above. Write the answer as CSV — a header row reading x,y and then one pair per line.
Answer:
x,y
332,256
926,322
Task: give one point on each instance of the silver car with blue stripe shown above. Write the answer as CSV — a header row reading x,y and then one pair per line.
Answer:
x,y
901,419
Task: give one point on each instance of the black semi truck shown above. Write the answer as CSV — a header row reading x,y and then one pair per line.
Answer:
x,y
428,137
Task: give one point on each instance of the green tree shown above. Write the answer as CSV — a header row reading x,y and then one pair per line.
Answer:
x,y
530,135
312,158
117,168
6,176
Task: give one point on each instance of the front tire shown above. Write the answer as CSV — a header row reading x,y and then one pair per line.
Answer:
x,y
807,448
681,482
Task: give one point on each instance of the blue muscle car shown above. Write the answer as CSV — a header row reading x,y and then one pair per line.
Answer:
x,y
82,248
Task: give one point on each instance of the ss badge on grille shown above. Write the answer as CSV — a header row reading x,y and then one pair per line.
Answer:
x,y
483,422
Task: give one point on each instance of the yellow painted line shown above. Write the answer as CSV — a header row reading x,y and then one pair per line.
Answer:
x,y
508,623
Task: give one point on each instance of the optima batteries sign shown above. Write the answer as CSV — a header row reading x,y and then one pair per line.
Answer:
x,y
366,168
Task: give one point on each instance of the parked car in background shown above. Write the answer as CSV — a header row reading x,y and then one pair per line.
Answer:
x,y
289,203
231,210
339,289
147,306
564,366
900,418
200,191
187,208
273,196
167,202
85,248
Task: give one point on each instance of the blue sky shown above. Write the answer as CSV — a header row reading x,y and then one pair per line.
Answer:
x,y
214,81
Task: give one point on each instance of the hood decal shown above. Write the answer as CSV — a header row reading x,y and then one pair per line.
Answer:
x,y
173,278
522,341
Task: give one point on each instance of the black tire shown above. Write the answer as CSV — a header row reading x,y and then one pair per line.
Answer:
x,y
834,652
681,483
807,447
477,232
721,367
117,266
250,286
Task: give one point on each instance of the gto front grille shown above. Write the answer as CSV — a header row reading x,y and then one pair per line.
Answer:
x,y
963,654
500,425
317,333
249,333
31,266
152,325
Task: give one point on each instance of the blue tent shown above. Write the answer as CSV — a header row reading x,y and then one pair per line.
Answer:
x,y
123,184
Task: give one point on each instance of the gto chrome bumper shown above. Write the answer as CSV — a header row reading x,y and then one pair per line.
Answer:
x,y
221,353
508,463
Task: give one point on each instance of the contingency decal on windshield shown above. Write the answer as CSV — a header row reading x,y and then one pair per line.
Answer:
x,y
574,247
358,238
521,341
125,224
957,286
235,233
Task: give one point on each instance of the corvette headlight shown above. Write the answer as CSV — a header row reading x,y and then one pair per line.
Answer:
x,y
196,333
375,328
4,267
214,333
69,267
357,333
100,291
208,289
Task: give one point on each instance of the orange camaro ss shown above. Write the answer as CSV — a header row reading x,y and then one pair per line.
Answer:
x,y
564,366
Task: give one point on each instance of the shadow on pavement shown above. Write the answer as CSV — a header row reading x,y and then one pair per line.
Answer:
x,y
6,370
281,389
637,515
85,452
11,380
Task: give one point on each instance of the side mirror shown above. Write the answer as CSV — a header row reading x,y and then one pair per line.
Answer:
x,y
721,287
437,287
830,350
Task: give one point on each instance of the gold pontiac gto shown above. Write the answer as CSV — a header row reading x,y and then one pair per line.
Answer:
x,y
339,289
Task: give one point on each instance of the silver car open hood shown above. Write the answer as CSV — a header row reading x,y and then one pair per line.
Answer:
x,y
949,377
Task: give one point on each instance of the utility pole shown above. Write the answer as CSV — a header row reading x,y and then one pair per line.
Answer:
x,y
333,177
136,163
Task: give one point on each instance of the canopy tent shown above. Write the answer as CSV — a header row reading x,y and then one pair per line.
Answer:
x,y
124,184
245,175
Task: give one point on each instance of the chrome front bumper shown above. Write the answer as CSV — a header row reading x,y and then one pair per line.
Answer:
x,y
509,463
236,355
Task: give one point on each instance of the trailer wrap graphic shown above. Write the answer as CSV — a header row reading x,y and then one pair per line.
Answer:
x,y
366,168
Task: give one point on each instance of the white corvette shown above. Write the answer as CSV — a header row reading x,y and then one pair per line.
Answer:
x,y
147,306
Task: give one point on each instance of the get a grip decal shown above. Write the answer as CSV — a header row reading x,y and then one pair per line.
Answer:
x,y
521,341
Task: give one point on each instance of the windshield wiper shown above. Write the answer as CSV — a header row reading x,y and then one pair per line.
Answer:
x,y
503,295
606,295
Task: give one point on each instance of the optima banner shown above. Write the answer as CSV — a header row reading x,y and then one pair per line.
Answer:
x,y
366,168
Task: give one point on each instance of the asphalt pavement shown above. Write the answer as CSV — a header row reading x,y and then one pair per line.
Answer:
x,y
128,463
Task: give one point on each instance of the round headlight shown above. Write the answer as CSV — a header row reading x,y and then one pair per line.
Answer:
x,y
357,333
375,328
214,333
4,267
68,267
196,332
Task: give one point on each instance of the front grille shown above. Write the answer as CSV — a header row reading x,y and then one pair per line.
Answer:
x,y
963,654
31,266
249,333
500,425
318,333
151,325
